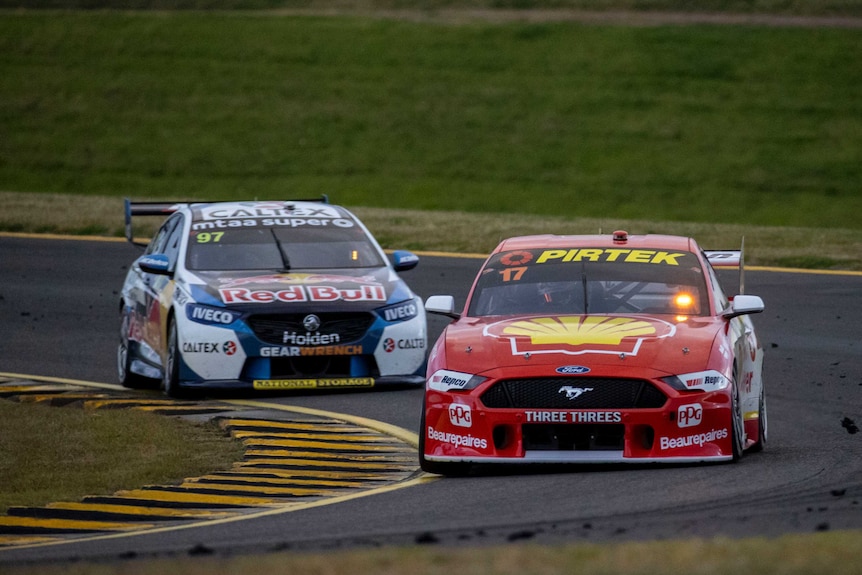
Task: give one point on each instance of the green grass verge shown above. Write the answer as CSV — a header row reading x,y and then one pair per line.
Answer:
x,y
838,553
750,125
463,232
52,454
803,7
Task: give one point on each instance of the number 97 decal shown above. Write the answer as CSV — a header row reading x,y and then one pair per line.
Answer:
x,y
207,237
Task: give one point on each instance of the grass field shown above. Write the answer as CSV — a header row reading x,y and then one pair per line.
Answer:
x,y
804,7
749,125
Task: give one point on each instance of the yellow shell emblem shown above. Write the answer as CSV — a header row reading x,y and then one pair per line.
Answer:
x,y
576,331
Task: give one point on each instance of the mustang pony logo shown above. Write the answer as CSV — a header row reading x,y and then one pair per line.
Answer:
x,y
574,392
576,335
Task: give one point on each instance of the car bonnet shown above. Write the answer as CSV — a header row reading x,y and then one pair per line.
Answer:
x,y
594,342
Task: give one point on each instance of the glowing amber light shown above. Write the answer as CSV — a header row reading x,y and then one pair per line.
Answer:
x,y
354,255
683,300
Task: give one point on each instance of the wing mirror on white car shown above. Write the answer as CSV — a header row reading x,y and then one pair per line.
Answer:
x,y
743,305
158,264
403,260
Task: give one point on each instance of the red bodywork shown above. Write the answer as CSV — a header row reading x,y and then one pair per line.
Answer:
x,y
591,387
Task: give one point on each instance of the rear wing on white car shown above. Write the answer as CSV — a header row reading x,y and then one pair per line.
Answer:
x,y
729,259
146,209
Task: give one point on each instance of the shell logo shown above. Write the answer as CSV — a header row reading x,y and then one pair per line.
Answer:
x,y
576,335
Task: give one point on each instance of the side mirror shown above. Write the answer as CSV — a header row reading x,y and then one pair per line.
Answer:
x,y
403,260
158,264
743,305
443,305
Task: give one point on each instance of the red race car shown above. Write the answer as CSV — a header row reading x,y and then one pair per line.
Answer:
x,y
595,349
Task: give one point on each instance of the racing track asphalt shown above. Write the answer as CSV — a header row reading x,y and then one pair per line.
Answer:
x,y
57,312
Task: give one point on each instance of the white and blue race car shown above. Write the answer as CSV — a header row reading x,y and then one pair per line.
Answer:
x,y
266,295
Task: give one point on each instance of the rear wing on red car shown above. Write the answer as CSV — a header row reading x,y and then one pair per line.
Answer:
x,y
729,259
165,209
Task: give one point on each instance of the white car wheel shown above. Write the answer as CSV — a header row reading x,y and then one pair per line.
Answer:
x,y
124,360
171,372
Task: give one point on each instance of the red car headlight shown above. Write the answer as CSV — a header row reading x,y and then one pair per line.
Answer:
x,y
698,381
447,380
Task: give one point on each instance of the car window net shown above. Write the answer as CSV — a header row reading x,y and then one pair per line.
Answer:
x,y
589,287
281,248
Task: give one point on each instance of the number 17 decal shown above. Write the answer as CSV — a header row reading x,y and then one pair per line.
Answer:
x,y
513,274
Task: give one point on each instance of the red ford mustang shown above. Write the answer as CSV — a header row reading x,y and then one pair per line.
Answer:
x,y
587,349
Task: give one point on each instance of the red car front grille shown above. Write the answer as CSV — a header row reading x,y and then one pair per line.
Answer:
x,y
573,393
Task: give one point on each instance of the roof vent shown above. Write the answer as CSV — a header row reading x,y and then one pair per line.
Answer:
x,y
621,236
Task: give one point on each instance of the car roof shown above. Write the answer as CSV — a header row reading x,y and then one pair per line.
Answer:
x,y
618,239
267,208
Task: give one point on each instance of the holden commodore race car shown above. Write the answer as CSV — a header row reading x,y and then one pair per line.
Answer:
x,y
266,295
598,348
